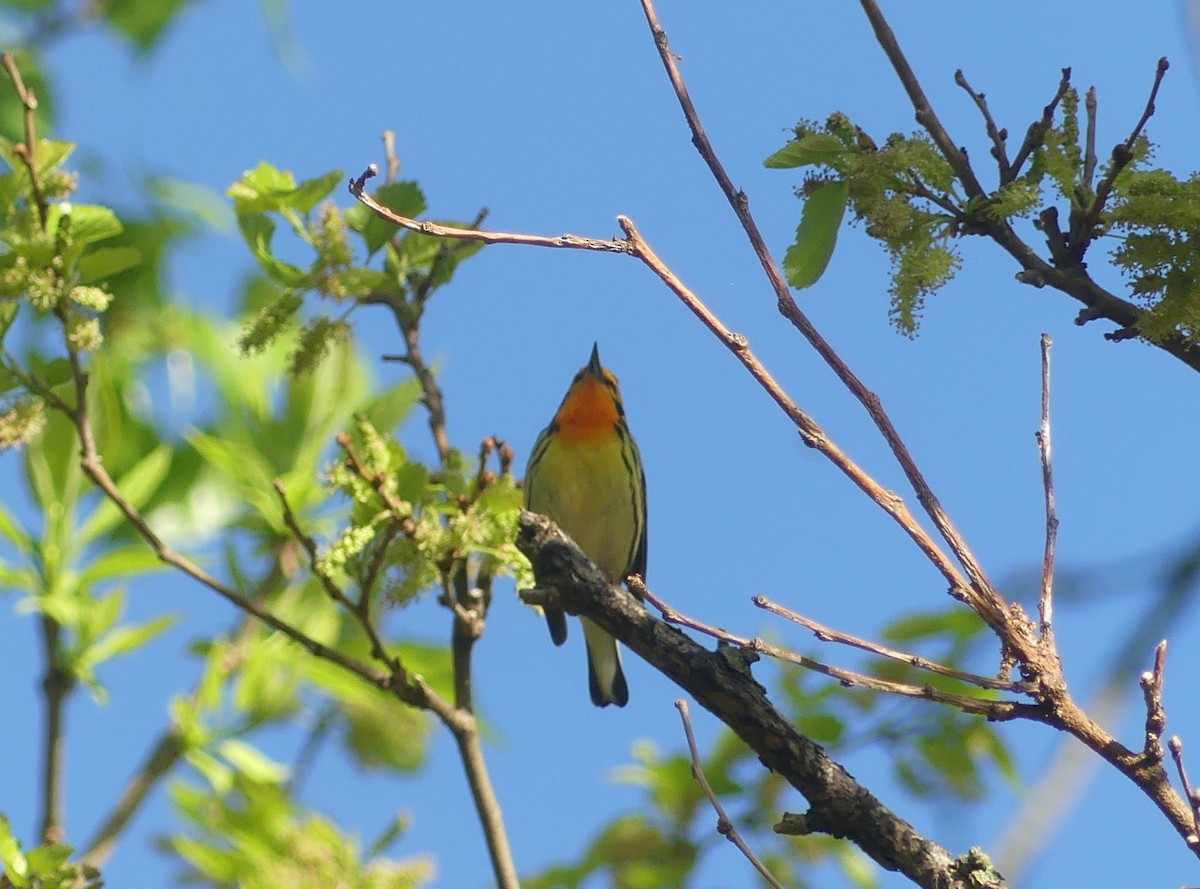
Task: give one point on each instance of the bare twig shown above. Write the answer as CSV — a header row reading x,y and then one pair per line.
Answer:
x,y
1084,231
1176,746
999,137
1035,136
996,710
57,685
828,634
1045,602
725,826
467,234
926,116
1089,152
993,610
389,153
27,151
981,593
1156,714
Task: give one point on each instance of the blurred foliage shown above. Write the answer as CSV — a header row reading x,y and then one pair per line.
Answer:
x,y
246,830
46,867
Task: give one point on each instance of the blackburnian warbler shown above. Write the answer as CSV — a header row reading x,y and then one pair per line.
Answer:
x,y
585,473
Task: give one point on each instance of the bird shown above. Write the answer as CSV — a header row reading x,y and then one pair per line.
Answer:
x,y
585,474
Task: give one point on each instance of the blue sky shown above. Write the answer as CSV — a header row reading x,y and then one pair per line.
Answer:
x,y
557,117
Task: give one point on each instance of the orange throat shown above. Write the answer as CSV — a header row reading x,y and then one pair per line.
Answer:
x,y
589,412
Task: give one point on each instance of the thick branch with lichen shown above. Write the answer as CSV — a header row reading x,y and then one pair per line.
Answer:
x,y
723,685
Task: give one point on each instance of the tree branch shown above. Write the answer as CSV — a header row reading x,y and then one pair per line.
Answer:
x,y
838,805
57,685
1045,602
984,597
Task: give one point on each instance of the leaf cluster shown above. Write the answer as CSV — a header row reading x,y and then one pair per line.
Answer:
x,y
343,245
902,193
1159,217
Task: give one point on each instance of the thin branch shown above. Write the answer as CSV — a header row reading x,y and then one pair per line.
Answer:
x,y
725,826
926,116
57,685
27,151
94,470
317,735
162,757
995,710
1156,714
993,610
982,594
828,634
1176,746
999,137
1122,156
1089,153
389,153
1045,601
1035,136
467,234
467,601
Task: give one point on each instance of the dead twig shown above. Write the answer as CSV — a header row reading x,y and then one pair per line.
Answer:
x,y
725,826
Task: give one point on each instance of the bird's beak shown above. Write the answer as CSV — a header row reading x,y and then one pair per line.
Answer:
x,y
594,366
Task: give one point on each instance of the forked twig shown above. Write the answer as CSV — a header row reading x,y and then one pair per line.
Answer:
x,y
725,826
992,709
999,137
828,634
981,593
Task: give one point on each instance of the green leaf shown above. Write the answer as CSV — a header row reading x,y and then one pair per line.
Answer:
x,y
816,236
403,198
143,22
15,865
252,763
812,149
124,561
8,314
105,261
46,860
12,531
311,192
125,639
57,372
258,229
267,188
89,223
